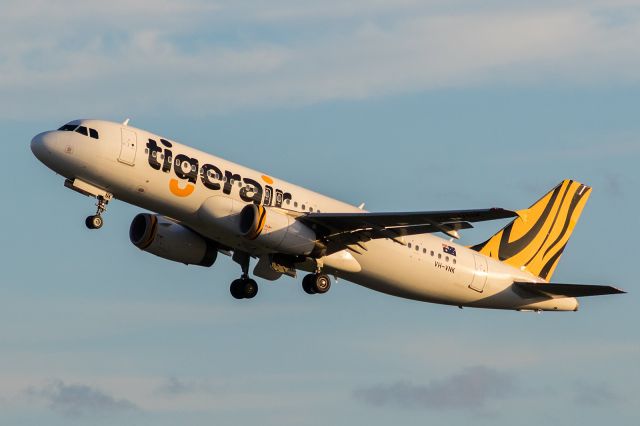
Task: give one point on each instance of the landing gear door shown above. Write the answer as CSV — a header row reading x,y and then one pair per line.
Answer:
x,y
128,147
480,274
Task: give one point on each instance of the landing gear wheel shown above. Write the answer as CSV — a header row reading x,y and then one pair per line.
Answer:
x,y
236,289
244,288
249,288
322,283
308,284
94,222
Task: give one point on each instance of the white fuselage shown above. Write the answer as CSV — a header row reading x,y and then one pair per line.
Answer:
x,y
124,163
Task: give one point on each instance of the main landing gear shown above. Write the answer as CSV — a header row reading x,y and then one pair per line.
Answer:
x,y
96,221
247,288
317,283
244,287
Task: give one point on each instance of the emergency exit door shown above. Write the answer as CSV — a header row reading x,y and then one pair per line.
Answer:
x,y
128,147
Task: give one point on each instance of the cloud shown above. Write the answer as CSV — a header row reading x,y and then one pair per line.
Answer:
x,y
614,185
79,400
590,394
471,389
175,386
195,57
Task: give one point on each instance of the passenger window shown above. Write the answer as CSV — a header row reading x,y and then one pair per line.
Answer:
x,y
417,248
93,133
432,253
424,251
409,245
288,201
454,261
82,130
439,256
310,209
446,258
303,207
295,204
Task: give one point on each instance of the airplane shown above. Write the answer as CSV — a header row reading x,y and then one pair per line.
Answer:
x,y
204,205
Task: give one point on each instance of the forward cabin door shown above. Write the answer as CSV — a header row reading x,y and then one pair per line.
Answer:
x,y
480,274
128,147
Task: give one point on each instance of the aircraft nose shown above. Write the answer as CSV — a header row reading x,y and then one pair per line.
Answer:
x,y
40,146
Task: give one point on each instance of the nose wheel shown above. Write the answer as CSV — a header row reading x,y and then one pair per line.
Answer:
x,y
96,221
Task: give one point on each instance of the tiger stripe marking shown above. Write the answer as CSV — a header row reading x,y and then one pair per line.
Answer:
x,y
536,239
262,218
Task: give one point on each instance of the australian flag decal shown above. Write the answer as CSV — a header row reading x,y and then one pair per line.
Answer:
x,y
449,250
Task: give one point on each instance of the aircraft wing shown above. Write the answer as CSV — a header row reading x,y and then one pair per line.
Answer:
x,y
342,230
568,290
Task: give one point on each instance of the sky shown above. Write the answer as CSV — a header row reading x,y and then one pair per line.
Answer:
x,y
403,105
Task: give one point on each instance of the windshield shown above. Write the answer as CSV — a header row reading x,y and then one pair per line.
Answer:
x,y
93,133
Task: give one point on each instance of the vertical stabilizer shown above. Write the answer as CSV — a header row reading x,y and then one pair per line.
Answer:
x,y
536,239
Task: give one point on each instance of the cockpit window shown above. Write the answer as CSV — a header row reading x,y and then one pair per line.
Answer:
x,y
68,127
82,130
93,133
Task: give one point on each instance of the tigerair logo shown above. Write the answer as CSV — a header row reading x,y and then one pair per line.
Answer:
x,y
188,171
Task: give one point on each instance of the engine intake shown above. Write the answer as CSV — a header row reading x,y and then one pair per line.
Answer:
x,y
277,231
160,236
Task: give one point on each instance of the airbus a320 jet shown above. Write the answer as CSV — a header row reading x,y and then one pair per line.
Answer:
x,y
204,205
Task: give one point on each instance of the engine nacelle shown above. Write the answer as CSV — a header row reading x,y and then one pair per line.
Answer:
x,y
160,236
276,231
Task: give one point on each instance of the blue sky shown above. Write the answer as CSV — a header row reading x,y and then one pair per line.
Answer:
x,y
405,105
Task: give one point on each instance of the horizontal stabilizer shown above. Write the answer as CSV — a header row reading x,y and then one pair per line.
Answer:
x,y
568,290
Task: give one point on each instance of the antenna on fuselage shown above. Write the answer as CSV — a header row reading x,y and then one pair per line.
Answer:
x,y
126,122
361,206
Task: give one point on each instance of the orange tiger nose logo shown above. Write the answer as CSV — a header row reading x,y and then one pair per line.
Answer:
x,y
174,187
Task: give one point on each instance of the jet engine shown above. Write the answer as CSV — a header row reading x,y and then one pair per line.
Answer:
x,y
277,231
160,236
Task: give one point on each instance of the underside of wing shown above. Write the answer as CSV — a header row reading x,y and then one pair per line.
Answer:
x,y
567,290
340,230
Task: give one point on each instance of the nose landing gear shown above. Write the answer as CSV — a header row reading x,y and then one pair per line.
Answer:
x,y
95,221
84,188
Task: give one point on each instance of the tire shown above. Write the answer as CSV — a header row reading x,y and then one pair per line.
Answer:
x,y
89,222
322,283
249,289
236,289
308,284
